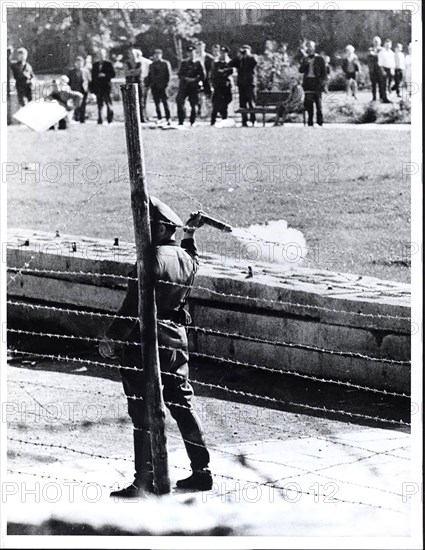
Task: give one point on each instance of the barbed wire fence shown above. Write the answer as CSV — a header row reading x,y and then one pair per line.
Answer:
x,y
230,393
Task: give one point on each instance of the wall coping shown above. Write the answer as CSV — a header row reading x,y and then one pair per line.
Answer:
x,y
270,284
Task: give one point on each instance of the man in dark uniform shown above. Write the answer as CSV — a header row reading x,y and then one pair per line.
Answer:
x,y
23,75
102,73
191,73
220,78
176,265
315,78
158,79
79,81
245,64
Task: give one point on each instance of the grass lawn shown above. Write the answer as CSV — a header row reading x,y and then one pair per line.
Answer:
x,y
342,187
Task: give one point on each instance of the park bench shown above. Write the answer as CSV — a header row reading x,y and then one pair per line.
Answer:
x,y
266,103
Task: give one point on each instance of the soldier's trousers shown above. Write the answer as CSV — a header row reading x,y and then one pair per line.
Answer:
x,y
247,101
178,394
192,93
220,101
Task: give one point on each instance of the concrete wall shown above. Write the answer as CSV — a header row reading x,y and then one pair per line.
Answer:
x,y
321,309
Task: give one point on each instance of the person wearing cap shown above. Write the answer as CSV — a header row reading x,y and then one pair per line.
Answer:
x,y
158,79
191,74
174,268
23,75
315,79
79,81
222,85
245,64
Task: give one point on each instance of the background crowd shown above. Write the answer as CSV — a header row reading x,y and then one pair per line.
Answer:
x,y
206,79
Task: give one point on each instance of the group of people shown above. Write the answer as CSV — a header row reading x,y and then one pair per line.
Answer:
x,y
388,69
206,79
387,65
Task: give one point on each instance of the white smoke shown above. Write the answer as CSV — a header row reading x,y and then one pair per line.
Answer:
x,y
272,242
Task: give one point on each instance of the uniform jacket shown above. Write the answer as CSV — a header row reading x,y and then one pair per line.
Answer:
x,y
173,264
102,82
220,74
22,73
319,70
191,73
246,70
159,74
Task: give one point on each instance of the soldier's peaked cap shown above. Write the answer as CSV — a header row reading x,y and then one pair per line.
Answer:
x,y
160,212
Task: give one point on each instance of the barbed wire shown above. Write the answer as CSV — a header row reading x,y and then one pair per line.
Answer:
x,y
258,300
76,213
139,398
230,453
227,360
72,311
45,476
197,287
266,484
218,387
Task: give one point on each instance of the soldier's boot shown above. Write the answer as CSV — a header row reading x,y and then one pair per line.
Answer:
x,y
190,428
200,480
143,478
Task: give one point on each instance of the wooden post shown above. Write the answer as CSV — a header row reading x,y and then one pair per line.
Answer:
x,y
147,305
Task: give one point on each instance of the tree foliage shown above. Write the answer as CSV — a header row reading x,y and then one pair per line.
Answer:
x,y
55,36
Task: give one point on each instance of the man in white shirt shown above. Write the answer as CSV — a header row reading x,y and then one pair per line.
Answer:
x,y
400,67
386,61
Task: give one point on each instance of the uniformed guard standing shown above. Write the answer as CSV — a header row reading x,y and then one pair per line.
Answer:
x,y
246,63
191,74
220,78
174,270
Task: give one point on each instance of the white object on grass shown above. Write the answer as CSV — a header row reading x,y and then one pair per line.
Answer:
x,y
40,115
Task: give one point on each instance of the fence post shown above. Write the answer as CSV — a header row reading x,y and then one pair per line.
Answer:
x,y
147,306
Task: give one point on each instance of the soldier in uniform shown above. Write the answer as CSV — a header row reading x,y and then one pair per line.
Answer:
x,y
176,265
246,63
220,78
191,74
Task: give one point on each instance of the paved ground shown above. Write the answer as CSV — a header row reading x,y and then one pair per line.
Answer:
x,y
314,477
